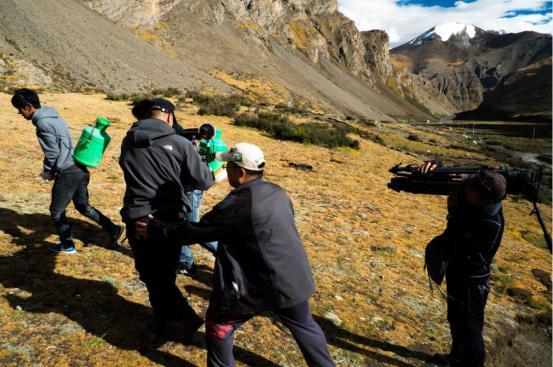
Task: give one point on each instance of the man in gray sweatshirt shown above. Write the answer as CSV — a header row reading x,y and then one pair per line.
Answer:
x,y
70,179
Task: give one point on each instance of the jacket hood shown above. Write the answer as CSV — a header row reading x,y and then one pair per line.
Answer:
x,y
44,112
143,132
490,210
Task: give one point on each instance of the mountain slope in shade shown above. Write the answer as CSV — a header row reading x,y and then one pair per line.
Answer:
x,y
523,95
470,64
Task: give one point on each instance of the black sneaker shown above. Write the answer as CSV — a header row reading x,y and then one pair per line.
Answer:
x,y
189,272
115,236
445,360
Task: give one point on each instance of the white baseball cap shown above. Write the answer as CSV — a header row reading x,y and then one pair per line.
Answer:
x,y
245,155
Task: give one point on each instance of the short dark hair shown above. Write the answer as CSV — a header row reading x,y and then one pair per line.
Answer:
x,y
254,173
142,109
24,96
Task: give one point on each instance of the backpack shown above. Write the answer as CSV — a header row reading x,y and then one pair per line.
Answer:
x,y
436,259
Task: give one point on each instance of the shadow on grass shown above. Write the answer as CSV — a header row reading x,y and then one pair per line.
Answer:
x,y
41,227
335,335
93,304
346,340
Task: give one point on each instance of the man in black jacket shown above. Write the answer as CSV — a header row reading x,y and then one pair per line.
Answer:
x,y
261,262
473,235
157,164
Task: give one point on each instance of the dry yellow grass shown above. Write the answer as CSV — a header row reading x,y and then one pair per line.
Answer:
x,y
365,244
257,89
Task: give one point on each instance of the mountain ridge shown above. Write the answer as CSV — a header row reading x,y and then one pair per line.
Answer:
x,y
468,69
307,48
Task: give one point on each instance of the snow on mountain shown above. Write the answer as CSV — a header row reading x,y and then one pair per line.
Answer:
x,y
445,32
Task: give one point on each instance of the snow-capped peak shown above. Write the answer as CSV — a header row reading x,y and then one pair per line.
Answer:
x,y
445,31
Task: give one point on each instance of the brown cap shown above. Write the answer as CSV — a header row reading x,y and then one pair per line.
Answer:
x,y
491,184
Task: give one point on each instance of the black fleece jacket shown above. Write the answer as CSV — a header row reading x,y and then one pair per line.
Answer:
x,y
156,163
261,262
474,236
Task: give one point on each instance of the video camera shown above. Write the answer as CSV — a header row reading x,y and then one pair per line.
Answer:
x,y
206,132
448,180
209,144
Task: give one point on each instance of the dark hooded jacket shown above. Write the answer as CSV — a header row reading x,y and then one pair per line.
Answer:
x,y
261,261
157,163
474,236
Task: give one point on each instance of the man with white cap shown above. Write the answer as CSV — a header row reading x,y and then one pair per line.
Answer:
x,y
261,262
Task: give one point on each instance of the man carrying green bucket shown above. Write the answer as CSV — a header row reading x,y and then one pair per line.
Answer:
x,y
70,178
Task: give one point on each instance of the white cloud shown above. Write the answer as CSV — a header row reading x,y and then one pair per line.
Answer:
x,y
405,22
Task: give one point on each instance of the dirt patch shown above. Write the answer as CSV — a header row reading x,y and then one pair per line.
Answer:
x,y
530,347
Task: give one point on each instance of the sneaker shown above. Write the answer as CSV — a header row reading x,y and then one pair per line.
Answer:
x,y
115,236
189,272
445,360
61,248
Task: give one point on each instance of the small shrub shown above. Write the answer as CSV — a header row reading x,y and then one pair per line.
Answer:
x,y
281,127
218,106
166,93
117,97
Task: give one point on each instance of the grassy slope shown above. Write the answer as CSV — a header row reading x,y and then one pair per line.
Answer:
x,y
365,244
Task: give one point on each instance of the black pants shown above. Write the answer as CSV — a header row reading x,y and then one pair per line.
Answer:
x,y
465,313
71,184
298,319
156,262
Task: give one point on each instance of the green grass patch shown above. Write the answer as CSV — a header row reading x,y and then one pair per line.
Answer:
x,y
280,127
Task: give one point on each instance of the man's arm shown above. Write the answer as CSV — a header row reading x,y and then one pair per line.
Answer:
x,y
228,217
198,170
49,144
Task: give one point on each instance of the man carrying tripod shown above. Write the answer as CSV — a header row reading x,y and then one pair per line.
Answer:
x,y
471,239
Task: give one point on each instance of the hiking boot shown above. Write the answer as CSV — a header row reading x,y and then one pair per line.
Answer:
x,y
115,236
189,272
63,248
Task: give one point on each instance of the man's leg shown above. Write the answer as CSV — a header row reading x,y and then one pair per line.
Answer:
x,y
62,192
81,202
156,266
456,306
308,334
219,334
209,246
475,350
186,260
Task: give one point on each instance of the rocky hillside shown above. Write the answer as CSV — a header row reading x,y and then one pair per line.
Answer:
x,y
467,63
72,47
301,53
529,87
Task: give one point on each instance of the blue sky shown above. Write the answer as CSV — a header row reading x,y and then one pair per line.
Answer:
x,y
406,19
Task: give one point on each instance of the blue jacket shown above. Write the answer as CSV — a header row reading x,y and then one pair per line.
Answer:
x,y
54,139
